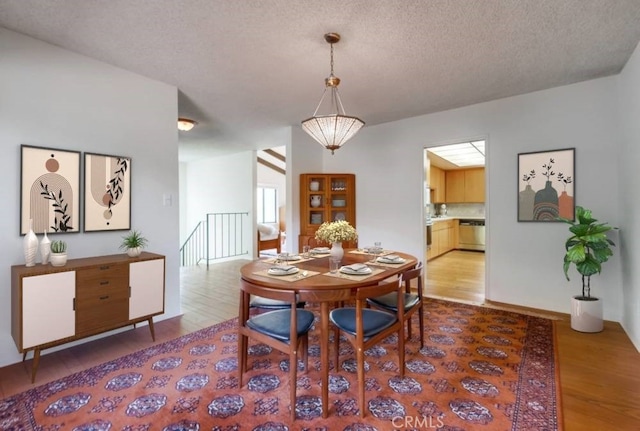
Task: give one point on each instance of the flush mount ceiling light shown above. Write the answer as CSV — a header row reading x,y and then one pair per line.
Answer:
x,y
185,124
334,129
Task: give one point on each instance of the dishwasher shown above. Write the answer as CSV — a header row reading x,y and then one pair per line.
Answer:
x,y
471,235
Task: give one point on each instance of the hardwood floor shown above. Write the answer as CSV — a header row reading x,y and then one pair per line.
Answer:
x,y
600,386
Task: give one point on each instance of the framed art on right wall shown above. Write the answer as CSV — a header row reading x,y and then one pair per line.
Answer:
x,y
546,185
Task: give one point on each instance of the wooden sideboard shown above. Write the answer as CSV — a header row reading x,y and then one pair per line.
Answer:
x,y
55,305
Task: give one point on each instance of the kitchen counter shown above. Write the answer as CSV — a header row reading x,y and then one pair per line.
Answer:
x,y
439,219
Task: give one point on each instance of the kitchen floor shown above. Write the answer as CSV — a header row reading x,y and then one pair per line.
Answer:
x,y
458,275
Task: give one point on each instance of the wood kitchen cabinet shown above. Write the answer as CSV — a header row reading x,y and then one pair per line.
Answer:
x,y
465,186
437,184
55,305
325,197
444,237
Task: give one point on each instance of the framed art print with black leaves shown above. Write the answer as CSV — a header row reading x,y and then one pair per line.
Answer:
x,y
107,192
49,190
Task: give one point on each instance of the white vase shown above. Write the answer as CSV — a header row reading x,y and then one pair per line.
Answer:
x,y
315,201
45,248
30,244
314,186
336,251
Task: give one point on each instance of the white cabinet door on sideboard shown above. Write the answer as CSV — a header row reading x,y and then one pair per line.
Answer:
x,y
146,280
48,308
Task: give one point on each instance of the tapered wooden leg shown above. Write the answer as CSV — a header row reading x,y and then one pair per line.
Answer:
x,y
35,364
360,363
324,356
421,325
293,372
152,329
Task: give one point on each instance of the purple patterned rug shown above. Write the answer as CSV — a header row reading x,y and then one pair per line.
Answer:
x,y
480,368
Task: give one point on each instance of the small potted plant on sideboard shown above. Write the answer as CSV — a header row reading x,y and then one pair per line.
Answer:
x,y
58,253
133,243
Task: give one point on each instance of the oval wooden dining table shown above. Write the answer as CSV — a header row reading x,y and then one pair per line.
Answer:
x,y
313,283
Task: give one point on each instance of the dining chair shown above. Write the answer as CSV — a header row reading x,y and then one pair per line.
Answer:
x,y
365,327
285,330
412,301
260,302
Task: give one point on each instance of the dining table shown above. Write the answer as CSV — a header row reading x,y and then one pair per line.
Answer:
x,y
314,283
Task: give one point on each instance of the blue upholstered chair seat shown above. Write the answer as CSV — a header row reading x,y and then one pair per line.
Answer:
x,y
271,304
390,301
373,321
276,323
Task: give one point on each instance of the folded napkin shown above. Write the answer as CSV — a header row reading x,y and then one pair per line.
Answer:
x,y
357,267
391,258
321,250
290,257
285,269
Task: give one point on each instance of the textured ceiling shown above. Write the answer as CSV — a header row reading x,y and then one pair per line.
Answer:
x,y
248,69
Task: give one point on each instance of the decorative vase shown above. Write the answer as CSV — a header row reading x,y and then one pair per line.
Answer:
x,y
315,201
45,248
336,251
314,186
134,252
30,244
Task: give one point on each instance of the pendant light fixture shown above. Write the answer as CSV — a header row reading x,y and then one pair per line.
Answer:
x,y
334,129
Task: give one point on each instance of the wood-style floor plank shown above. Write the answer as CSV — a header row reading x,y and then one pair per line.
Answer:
x,y
599,383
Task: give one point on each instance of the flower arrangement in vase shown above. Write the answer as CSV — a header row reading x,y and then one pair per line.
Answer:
x,y
335,232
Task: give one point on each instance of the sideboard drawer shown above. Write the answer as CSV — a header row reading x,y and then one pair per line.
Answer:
x,y
99,281
101,312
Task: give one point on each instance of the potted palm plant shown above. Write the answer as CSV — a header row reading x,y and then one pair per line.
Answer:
x,y
587,249
133,243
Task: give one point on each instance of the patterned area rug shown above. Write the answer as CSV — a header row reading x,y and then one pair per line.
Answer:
x,y
481,368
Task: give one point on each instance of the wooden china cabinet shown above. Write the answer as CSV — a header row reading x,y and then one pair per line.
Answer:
x,y
325,197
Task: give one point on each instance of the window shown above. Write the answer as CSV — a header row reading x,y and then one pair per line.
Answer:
x,y
267,205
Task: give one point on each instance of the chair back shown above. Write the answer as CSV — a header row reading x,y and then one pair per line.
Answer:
x,y
411,274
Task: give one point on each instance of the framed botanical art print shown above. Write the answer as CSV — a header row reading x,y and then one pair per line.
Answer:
x,y
49,190
107,192
546,185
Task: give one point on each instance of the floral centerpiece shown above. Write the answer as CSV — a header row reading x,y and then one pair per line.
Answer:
x,y
336,231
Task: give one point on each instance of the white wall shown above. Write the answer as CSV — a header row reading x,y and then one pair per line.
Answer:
x,y
524,260
222,184
55,98
629,204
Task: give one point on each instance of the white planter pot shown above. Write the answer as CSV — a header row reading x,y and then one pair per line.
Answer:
x,y
586,316
58,259
134,252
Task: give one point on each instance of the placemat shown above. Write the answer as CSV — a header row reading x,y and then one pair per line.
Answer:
x,y
389,265
292,277
339,274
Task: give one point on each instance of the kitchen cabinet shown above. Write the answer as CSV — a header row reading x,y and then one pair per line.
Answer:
x,y
325,197
444,237
465,186
51,305
437,184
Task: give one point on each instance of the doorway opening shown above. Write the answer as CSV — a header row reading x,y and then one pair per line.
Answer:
x,y
455,218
